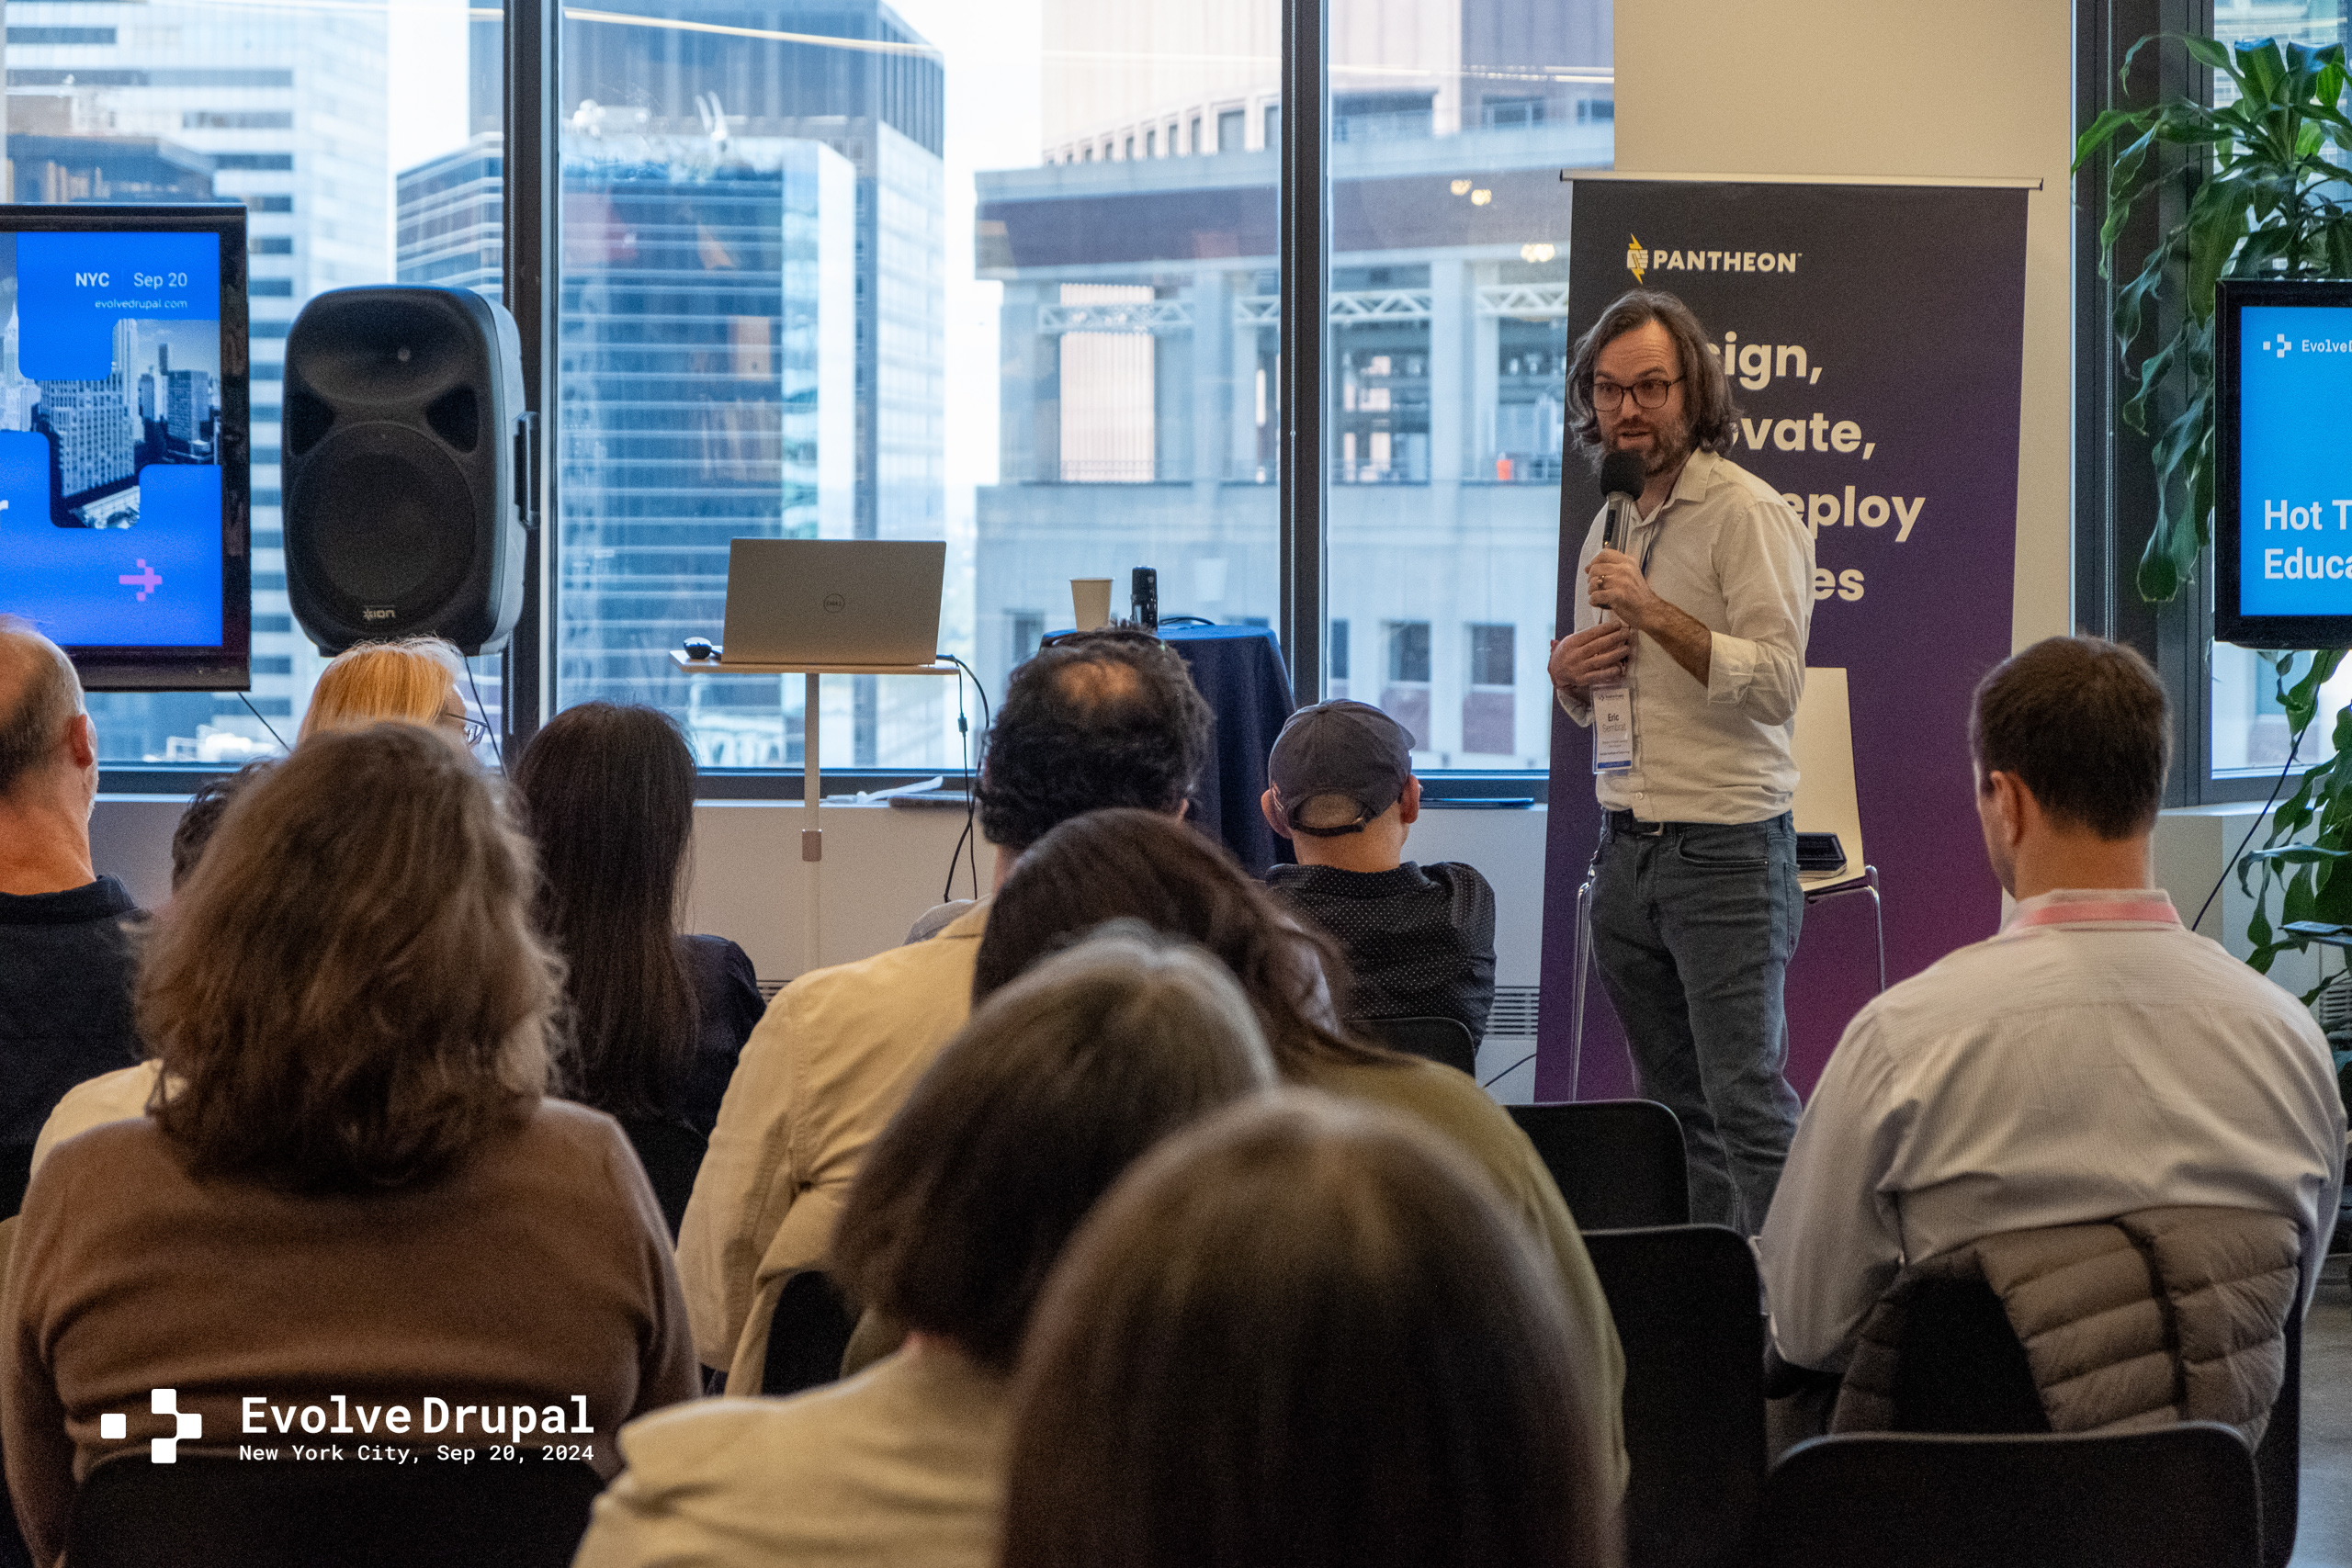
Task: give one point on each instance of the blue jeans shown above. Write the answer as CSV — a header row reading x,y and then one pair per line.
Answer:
x,y
1693,928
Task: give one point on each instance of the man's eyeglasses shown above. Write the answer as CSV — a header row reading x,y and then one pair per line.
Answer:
x,y
1649,392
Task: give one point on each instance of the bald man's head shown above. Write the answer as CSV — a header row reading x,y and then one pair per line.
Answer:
x,y
39,694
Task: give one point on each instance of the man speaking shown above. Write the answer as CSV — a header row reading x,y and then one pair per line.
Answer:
x,y
1686,661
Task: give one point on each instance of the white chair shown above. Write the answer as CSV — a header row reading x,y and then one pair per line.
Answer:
x,y
1825,803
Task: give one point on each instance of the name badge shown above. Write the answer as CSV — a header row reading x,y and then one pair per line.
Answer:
x,y
1612,728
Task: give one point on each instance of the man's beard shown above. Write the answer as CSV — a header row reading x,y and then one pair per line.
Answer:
x,y
1669,448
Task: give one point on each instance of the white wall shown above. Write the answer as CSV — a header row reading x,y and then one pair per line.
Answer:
x,y
1983,89
885,865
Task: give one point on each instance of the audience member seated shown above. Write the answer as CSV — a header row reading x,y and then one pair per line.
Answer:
x,y
122,1094
2094,1060
413,680
1093,721
963,1203
360,1188
65,963
1112,865
1419,939
1304,1335
657,1019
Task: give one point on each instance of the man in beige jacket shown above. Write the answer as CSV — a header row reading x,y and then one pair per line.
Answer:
x,y
1090,722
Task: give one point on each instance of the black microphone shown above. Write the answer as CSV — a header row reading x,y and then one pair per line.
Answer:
x,y
1142,597
1622,475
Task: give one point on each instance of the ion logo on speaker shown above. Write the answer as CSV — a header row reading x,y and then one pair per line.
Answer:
x,y
402,422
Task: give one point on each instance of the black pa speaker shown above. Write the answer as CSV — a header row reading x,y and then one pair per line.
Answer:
x,y
405,465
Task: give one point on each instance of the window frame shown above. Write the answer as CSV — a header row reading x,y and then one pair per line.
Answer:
x,y
2114,486
532,74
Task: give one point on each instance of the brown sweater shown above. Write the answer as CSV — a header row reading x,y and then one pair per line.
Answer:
x,y
536,1271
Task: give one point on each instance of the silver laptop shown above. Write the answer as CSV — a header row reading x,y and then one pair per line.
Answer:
x,y
833,602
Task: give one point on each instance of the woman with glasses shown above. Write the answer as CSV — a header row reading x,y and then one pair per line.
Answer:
x,y
414,679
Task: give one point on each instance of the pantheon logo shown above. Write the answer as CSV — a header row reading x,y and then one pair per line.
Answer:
x,y
2278,345
1642,260
114,1426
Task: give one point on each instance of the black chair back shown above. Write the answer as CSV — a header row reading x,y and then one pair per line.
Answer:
x,y
211,1511
1617,1162
2278,1462
1688,1314
671,1154
2180,1496
1958,1367
16,1175
807,1334
1441,1040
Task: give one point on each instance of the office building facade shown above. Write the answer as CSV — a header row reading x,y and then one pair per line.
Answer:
x,y
1138,334
284,110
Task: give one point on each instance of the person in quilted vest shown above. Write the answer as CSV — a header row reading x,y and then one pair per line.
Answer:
x,y
2094,1060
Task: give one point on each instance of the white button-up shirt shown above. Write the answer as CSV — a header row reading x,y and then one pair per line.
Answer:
x,y
2094,1058
1724,549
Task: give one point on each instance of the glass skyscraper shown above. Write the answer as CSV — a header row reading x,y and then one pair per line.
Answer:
x,y
751,338
284,110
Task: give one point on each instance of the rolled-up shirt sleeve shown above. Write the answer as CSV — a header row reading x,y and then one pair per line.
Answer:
x,y
1765,564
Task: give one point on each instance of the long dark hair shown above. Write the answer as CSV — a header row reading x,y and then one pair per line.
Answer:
x,y
608,791
1303,1335
1142,865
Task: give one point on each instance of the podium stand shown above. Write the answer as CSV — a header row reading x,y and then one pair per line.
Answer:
x,y
812,835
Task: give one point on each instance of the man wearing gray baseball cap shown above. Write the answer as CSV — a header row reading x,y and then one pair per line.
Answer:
x,y
1421,939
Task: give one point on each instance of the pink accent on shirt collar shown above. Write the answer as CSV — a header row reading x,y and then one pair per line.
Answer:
x,y
2090,905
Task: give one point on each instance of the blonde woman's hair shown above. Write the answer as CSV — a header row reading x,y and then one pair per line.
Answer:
x,y
347,990
410,680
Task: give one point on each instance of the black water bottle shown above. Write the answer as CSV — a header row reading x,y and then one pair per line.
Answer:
x,y
1143,596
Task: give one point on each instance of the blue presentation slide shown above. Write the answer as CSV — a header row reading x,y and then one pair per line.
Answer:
x,y
2295,460
110,498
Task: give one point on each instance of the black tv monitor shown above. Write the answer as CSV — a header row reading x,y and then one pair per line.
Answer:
x,y
124,441
2282,471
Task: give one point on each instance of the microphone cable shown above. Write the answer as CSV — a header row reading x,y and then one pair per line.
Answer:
x,y
971,777
489,729
266,724
2230,864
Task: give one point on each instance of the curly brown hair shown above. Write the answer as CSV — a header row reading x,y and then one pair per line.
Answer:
x,y
347,993
1706,392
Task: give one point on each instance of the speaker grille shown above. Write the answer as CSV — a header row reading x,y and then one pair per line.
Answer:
x,y
380,518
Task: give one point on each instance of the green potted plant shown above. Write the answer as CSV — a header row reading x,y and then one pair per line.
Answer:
x,y
2262,200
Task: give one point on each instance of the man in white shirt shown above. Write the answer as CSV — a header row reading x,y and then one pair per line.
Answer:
x,y
1702,659
2094,1058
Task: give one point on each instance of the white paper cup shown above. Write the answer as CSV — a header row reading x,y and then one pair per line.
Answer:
x,y
1090,598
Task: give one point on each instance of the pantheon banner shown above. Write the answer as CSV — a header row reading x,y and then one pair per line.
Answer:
x,y
1874,336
